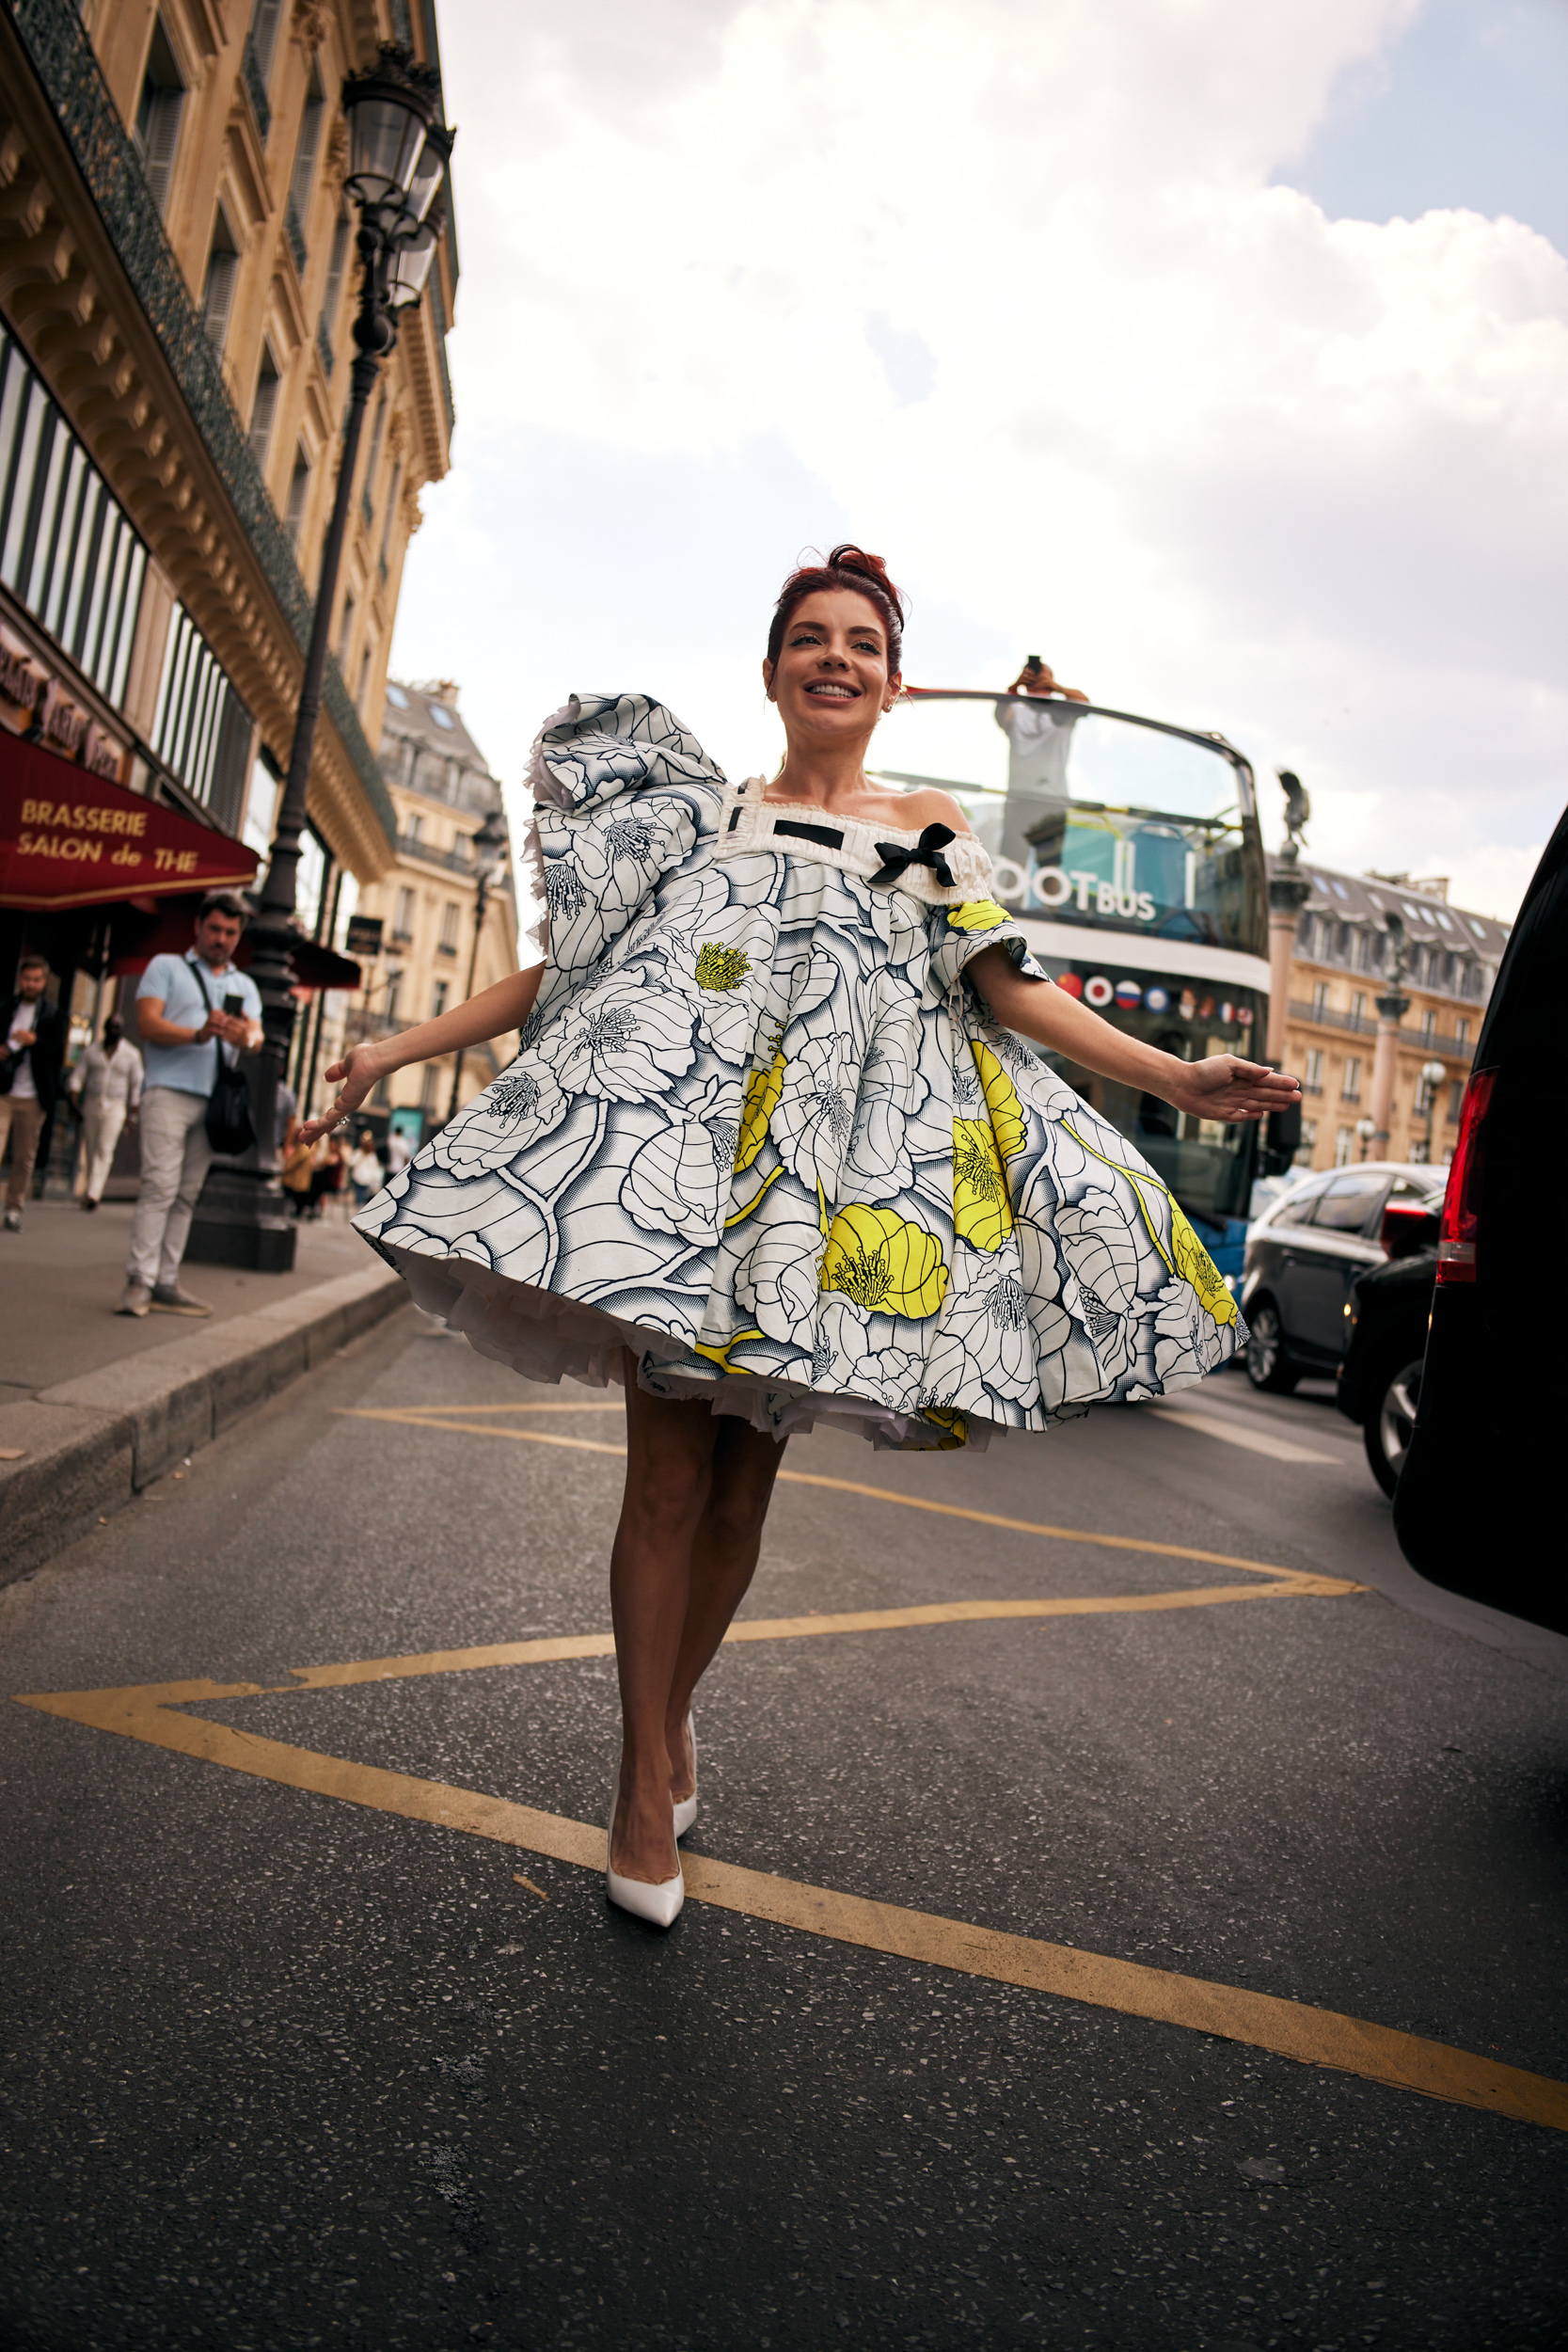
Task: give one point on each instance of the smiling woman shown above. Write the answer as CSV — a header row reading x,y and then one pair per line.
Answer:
x,y
774,1153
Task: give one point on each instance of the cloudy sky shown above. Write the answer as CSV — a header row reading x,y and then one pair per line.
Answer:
x,y
1219,352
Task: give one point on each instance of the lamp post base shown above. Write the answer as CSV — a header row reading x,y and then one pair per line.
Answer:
x,y
242,1219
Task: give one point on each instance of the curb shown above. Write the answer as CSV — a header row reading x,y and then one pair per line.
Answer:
x,y
89,1446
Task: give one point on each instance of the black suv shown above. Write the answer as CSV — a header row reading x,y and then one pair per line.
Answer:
x,y
1380,1377
1479,1505
1304,1256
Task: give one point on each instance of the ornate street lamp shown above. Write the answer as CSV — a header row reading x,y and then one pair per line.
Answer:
x,y
397,154
490,849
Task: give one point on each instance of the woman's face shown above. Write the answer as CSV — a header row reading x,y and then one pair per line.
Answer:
x,y
831,681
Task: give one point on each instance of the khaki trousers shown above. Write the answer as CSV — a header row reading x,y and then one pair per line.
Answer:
x,y
22,1119
101,1123
175,1157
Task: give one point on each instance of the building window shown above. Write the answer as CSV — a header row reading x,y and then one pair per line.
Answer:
x,y
1456,1100
202,730
299,486
428,1086
1344,1147
217,292
305,167
1350,1086
337,262
1428,1024
158,112
451,914
438,1000
67,548
345,631
416,829
406,914
1320,999
263,407
1313,1081
263,33
1359,1005
386,533
367,494
394,990
1307,1144
1461,1029
366,659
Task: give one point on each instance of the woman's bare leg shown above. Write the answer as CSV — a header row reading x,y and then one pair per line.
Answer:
x,y
696,1493
724,1562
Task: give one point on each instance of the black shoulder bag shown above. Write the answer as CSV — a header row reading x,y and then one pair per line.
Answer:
x,y
229,1122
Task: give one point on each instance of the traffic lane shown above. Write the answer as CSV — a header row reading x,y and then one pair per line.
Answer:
x,y
225,1926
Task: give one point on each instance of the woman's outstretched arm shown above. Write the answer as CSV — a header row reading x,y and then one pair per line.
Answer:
x,y
491,1013
1220,1088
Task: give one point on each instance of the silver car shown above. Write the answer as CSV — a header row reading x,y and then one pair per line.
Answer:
x,y
1303,1256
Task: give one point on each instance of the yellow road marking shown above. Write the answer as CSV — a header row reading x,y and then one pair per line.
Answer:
x,y
1295,2030
425,1418
548,1649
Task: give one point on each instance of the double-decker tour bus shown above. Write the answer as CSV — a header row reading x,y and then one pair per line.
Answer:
x,y
1131,853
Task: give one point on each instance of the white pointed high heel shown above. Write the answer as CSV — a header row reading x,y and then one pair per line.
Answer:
x,y
686,1812
659,1903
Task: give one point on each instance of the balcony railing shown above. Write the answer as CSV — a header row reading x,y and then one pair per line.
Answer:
x,y
296,235
358,1024
1358,1024
256,89
63,60
450,861
324,344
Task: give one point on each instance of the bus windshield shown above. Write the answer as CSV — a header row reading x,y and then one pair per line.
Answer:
x,y
1091,816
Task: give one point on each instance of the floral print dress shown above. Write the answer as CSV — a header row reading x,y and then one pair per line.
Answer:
x,y
762,1132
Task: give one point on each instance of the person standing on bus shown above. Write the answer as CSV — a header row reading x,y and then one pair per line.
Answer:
x,y
1039,735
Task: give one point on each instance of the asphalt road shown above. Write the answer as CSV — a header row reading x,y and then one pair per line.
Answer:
x,y
305,2053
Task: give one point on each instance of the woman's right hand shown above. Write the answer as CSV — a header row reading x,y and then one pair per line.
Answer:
x,y
354,1075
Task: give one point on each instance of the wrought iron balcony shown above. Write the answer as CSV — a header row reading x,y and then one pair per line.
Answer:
x,y
296,236
324,344
62,57
450,861
256,89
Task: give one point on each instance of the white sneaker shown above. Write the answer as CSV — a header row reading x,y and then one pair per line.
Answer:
x,y
169,1300
137,1300
13,1220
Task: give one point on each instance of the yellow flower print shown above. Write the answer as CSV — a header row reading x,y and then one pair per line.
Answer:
x,y
763,1089
982,1212
976,915
1195,1265
982,1208
955,1427
883,1263
1007,1111
721,967
721,1355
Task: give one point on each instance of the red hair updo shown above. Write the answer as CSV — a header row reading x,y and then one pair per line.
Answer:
x,y
847,567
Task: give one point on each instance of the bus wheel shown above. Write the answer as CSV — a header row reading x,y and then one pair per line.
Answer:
x,y
1267,1364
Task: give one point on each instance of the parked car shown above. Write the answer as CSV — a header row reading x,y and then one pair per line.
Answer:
x,y
1303,1255
1379,1380
1479,1505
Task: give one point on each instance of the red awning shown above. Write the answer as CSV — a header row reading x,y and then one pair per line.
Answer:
x,y
72,839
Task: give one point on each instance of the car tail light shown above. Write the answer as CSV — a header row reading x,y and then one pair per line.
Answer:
x,y
1461,1225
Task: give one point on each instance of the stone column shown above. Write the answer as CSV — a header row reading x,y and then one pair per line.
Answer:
x,y
1287,894
1391,1011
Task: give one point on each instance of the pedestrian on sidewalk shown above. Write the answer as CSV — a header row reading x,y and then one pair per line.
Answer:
x,y
365,1171
328,1175
398,1154
774,1152
106,1087
34,1028
193,1012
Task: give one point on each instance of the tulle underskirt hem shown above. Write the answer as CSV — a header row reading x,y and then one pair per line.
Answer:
x,y
546,1338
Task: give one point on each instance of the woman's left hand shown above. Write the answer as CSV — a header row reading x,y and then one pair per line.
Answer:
x,y
1225,1089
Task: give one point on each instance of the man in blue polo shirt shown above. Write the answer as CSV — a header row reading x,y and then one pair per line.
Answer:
x,y
184,1027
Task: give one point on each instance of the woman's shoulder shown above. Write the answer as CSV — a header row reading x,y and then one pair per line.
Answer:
x,y
928,806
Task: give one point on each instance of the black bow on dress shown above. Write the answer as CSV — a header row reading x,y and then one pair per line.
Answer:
x,y
926,851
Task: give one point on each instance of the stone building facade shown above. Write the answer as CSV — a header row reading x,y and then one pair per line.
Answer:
x,y
442,791
178,280
1340,965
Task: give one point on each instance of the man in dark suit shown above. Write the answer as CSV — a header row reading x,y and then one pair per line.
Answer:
x,y
32,1048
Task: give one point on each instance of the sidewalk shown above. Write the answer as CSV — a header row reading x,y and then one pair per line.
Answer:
x,y
94,1406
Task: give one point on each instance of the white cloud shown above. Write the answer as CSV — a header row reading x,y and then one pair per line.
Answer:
x,y
1002,288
